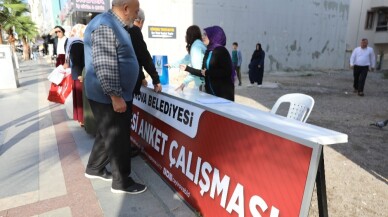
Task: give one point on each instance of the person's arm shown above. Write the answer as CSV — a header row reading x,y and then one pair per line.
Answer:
x,y
196,55
105,60
50,39
239,56
192,71
185,60
262,57
77,56
372,59
353,57
189,78
142,54
55,44
139,82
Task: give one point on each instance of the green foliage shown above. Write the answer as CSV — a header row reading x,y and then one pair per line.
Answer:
x,y
25,27
13,14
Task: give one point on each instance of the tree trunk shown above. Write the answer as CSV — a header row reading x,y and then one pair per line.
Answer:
x,y
1,35
11,39
26,49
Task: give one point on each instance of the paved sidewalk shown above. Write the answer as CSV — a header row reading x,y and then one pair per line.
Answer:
x,y
43,156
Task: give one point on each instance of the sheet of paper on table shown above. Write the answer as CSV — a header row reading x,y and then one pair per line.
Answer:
x,y
212,100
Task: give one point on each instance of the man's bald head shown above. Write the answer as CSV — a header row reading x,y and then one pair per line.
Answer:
x,y
126,9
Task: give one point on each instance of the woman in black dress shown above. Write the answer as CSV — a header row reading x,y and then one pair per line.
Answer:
x,y
256,66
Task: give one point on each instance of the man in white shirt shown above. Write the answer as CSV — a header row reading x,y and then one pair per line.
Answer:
x,y
362,60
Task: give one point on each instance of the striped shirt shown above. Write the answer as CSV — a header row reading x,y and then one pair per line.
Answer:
x,y
105,58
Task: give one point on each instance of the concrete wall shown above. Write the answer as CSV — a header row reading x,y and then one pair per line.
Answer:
x,y
295,34
356,31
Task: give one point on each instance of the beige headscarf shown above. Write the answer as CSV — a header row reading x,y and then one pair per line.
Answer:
x,y
78,31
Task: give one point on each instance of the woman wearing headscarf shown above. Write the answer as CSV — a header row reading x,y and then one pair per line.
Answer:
x,y
256,66
217,68
75,60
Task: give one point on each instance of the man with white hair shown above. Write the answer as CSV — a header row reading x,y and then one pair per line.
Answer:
x,y
139,21
143,55
111,73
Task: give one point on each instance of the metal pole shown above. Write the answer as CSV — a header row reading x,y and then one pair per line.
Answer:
x,y
321,188
359,23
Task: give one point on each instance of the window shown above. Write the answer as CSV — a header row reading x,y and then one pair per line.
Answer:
x,y
369,20
382,21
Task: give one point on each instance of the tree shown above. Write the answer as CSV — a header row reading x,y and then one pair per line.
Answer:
x,y
3,18
12,18
26,30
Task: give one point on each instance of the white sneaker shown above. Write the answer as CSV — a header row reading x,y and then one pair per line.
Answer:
x,y
259,85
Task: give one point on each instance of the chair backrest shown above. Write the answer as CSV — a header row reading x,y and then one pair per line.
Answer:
x,y
300,105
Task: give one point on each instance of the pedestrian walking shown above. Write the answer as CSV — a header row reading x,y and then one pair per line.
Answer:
x,y
237,60
362,60
75,59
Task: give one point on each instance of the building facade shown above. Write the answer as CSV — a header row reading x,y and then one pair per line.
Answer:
x,y
295,34
81,11
369,19
44,13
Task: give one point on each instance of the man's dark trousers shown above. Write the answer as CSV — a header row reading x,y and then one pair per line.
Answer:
x,y
360,73
112,143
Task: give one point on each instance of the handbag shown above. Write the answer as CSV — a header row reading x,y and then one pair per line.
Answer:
x,y
59,93
58,74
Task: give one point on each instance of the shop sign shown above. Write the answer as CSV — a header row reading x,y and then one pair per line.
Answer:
x,y
97,6
221,166
161,32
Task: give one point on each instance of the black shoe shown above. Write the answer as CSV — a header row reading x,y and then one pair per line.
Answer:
x,y
104,175
134,188
135,151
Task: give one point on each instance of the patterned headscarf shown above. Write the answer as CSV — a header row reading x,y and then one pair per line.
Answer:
x,y
76,35
78,31
216,37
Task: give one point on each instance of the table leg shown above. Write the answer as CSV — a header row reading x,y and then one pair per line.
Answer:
x,y
321,188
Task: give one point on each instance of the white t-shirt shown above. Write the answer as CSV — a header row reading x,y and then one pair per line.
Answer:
x,y
363,57
61,45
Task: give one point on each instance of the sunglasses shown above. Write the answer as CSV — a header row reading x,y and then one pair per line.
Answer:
x,y
57,31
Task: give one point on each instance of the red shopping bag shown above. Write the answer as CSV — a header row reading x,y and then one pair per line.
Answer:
x,y
59,93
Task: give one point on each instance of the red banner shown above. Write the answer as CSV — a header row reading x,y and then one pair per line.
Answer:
x,y
224,168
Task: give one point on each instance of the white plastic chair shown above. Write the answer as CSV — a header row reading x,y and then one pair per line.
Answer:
x,y
300,105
